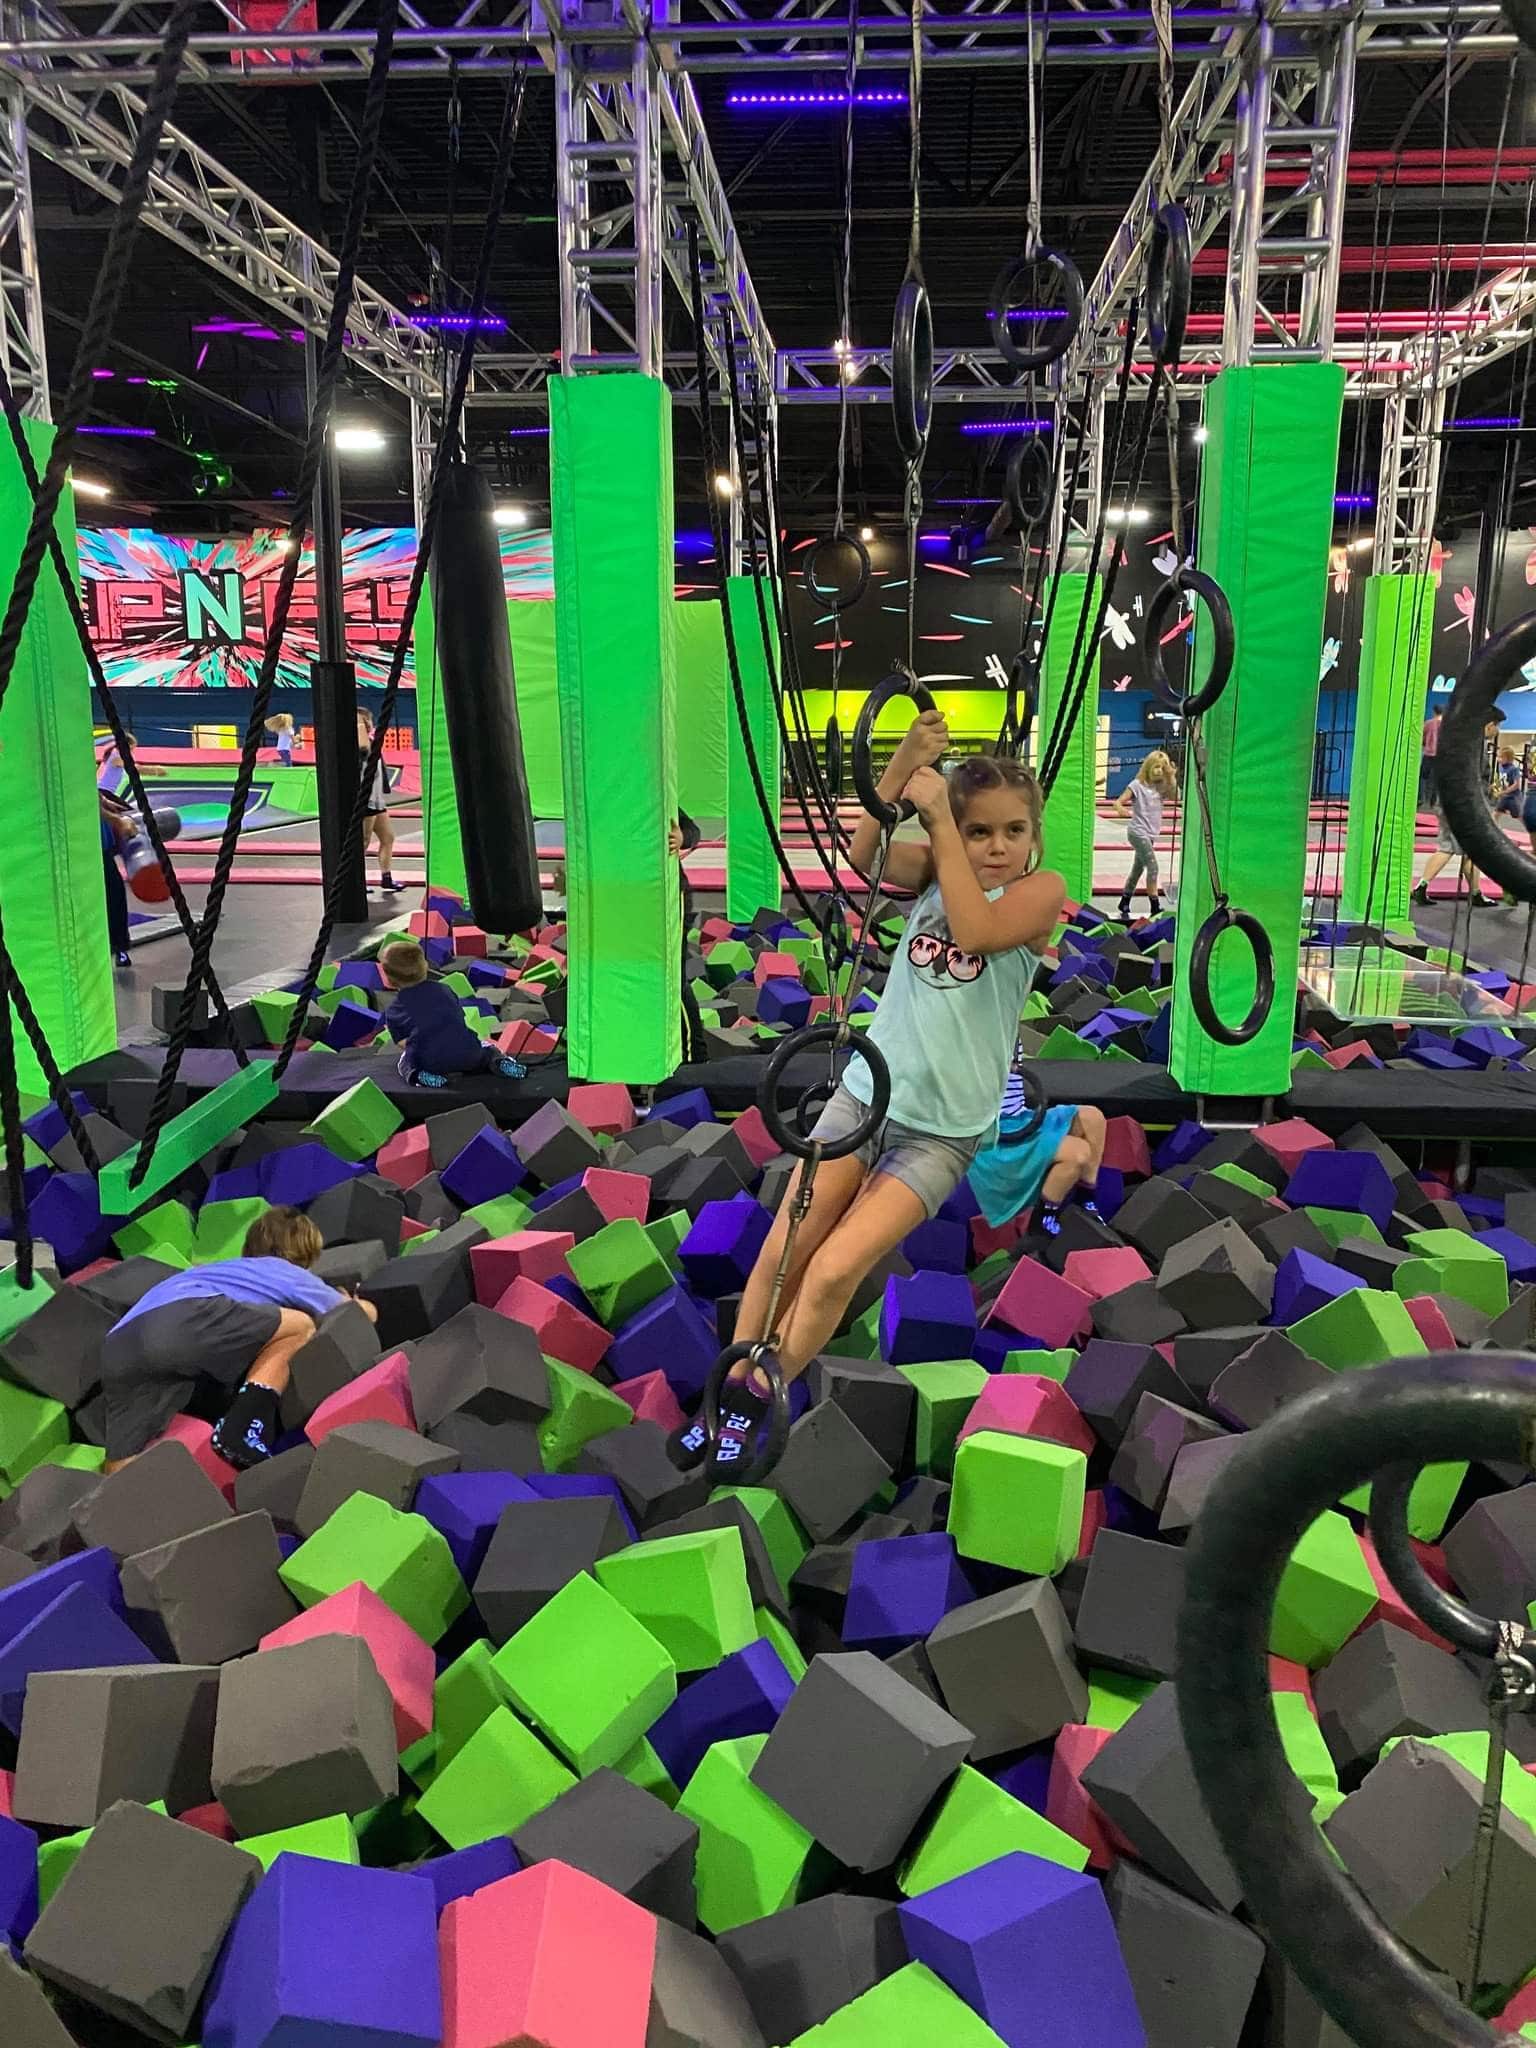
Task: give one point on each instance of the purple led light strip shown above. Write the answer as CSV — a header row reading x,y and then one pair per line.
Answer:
x,y
883,96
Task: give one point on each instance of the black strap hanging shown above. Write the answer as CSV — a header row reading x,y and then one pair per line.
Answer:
x,y
1023,290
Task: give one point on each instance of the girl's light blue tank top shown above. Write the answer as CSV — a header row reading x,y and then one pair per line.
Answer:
x,y
947,1024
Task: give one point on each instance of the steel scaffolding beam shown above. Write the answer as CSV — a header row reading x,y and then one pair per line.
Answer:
x,y
23,348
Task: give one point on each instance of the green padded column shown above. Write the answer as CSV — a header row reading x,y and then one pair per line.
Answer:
x,y
439,804
1266,516
1384,772
1070,810
532,623
611,483
752,878
51,887
703,699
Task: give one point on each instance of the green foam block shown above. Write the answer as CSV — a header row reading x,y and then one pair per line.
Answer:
x,y
1018,1501
752,1858
221,1228
690,1592
357,1122
643,1767
579,1409
331,1840
18,1302
946,1394
1306,1752
1051,1365
400,1557
1430,1501
30,1427
1325,1593
977,1822
1337,1224
502,1777
772,1630
912,2008
465,1696
619,1270
1113,1696
785,1541
188,1138
167,1223
1452,1262
587,1674
666,1235
1367,1326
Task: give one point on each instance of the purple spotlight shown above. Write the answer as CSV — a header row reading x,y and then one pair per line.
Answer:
x,y
120,433
866,96
456,323
103,376
1354,501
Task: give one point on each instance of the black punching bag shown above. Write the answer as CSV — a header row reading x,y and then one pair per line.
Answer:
x,y
474,648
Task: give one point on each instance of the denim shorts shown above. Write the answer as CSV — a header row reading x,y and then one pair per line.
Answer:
x,y
932,1167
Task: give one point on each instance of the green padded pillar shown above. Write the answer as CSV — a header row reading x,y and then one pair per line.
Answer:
x,y
440,831
752,879
1071,809
1384,773
51,888
1266,517
611,483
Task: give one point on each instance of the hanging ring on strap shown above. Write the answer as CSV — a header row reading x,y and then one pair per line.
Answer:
x,y
834,596
833,768
836,945
1020,278
897,684
785,1134
1434,1606
1031,480
1170,275
1187,582
912,366
1023,683
1035,1109
1224,919
1460,776
764,1360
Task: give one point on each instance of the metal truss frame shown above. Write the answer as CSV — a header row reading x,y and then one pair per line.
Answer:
x,y
23,345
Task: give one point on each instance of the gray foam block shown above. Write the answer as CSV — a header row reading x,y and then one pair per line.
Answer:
x,y
1239,1148
1201,1356
451,1130
696,2001
1108,1379
695,1182
428,1201
1159,1430
136,1927
856,1756
1262,1380
1408,1835
1371,1262
303,1731
1290,1230
57,1350
14,1567
653,1488
363,1210
1469,1325
276,1486
122,1286
490,1446
877,1399
1386,1682
1006,1668
623,1836
1195,1471
828,1471
416,1293
344,1345
1491,1552
1217,1276
1137,1314
347,1266
134,1731
378,1458
539,1546
160,1495
39,1517
895,1264
553,1145
1193,1971
800,1966
1157,1215
27,2019
1227,1198
482,1364
212,1595
1514,1328
923,1504
913,1665
1128,1614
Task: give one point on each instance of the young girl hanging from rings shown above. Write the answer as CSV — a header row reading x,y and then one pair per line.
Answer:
x,y
947,1025
1143,799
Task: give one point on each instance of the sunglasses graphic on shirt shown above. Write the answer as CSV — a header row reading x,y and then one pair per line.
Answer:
x,y
927,950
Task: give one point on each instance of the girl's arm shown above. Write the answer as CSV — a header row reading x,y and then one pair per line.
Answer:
x,y
1123,801
908,867
1024,915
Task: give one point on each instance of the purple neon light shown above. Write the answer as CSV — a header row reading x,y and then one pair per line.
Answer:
x,y
933,540
1492,419
962,501
120,433
873,96
103,376
458,323
1006,427
527,433
1354,501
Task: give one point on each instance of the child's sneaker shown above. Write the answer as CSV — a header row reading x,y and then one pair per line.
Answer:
x,y
248,1431
511,1069
390,886
743,1411
688,1445
425,1078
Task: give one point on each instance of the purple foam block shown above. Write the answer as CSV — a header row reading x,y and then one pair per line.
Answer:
x,y
994,1342
998,1936
548,1197
66,1213
470,1870
350,1024
358,974
46,1126
926,1316
299,1173
1026,1777
722,1245
938,1246
1305,1282
1517,1252
96,1570
567,1289
483,1169
1482,1209
486,974
782,1001
668,1335
72,1633
330,1951
438,951
1485,1043
234,1184
569,1485
744,1694
901,1589
1343,1180
689,1107
464,1508
961,1206
1109,1190
1180,1146
18,1882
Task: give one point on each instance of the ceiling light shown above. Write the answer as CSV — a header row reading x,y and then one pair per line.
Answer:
x,y
87,487
510,515
1364,545
866,534
1134,515
725,485
357,440
1202,435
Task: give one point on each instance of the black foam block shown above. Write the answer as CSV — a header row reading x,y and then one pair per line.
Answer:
x,y
39,1517
923,1503
304,1730
1157,1215
1159,1431
276,1486
482,1364
57,1350
538,1547
1217,1276
1006,1668
419,1292
1193,1971
823,1576
160,1495
1201,1356
799,1967
1514,1328
1291,1230
428,1201
347,1266
136,1731
1227,1198
828,1471
1239,1148
212,1595
1128,1615
1371,1262
1079,1232
1195,1471
1386,1682
636,1458
27,2018
362,1210
553,1145
121,1286
696,2001
694,1181
451,1130
877,1399
344,1345
1491,1552
490,1446
623,1836
136,1927
1107,1380
1262,1380
377,1458
1137,1314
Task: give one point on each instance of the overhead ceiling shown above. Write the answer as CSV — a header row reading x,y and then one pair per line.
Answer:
x,y
241,403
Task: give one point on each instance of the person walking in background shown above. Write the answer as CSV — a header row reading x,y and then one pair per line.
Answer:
x,y
116,829
1429,746
682,838
1143,800
376,824
282,730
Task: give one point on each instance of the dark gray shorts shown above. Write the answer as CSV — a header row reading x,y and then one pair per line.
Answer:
x,y
151,1366
930,1166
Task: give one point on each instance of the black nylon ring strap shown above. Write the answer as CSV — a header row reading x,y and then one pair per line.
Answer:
x,y
1034,1116
1020,276
897,684
1031,481
782,1131
834,596
1170,284
763,1358
1188,582
912,366
1023,699
832,747
1460,776
1225,919
1412,1412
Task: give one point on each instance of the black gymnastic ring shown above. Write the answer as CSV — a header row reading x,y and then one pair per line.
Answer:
x,y
897,684
1034,1119
764,1358
1303,1461
1224,919
1170,282
1434,1606
1460,780
832,747
1032,504
1189,582
836,600
1060,334
783,1133
836,941
912,367
1023,683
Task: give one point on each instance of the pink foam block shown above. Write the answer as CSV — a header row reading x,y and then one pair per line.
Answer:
x,y
753,1134
470,941
548,1958
428,924
775,967
604,1106
1349,1055
618,1194
714,929
198,1438
1165,1350
562,1330
1289,1142
1521,2009
381,1394
1095,1515
526,1041
406,1664
406,1157
1284,1676
1039,1303
1428,1318
652,1398
412,1226
1105,1271
521,1255
7,1788
1390,1605
1070,1808
542,951
985,1240
821,1006
83,1273
1125,1146
209,1820
1028,1404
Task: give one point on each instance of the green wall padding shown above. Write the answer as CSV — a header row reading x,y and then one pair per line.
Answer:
x,y
1395,638
532,622
752,878
51,887
439,805
1266,518
616,649
972,714
1069,810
